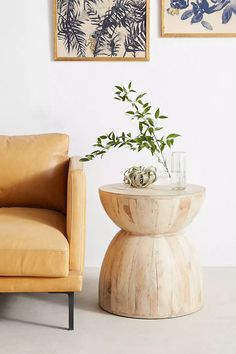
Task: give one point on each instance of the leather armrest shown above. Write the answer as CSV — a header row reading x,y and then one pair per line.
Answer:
x,y
75,214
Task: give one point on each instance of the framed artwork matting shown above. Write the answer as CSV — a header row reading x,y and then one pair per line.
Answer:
x,y
101,30
198,18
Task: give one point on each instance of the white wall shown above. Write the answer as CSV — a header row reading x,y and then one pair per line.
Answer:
x,y
192,80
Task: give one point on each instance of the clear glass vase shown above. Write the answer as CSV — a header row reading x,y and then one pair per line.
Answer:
x,y
178,170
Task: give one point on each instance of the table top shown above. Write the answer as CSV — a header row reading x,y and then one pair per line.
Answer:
x,y
154,190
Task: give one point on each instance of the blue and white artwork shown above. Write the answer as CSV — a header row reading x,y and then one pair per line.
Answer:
x,y
199,17
101,30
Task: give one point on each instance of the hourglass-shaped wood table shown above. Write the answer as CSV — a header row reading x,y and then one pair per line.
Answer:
x,y
150,269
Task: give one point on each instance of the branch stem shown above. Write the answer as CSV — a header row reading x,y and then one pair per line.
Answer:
x,y
162,160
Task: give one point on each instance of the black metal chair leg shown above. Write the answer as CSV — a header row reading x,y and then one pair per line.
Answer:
x,y
71,302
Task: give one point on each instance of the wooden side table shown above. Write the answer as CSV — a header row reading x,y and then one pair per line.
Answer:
x,y
150,269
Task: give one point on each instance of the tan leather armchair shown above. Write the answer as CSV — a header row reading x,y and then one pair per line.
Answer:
x,y
42,216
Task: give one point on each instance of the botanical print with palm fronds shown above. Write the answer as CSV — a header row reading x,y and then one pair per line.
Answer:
x,y
101,29
199,17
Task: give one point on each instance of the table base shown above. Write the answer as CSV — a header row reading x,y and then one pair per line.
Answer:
x,y
150,276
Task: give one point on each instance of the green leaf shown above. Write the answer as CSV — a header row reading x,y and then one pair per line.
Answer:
x,y
153,147
140,126
140,96
129,86
150,121
157,113
140,148
139,115
162,146
147,109
162,117
84,159
172,136
158,128
149,139
129,112
170,142
119,88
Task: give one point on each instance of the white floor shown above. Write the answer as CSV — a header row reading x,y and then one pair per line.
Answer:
x,y
33,323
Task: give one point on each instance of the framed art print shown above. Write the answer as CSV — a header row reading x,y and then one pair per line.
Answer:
x,y
199,18
101,30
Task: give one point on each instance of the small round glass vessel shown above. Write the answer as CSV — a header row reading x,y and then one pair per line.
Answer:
x,y
178,170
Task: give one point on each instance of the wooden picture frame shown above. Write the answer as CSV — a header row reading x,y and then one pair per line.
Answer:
x,y
104,30
207,18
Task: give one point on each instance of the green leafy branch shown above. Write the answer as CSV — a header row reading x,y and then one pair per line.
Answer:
x,y
148,129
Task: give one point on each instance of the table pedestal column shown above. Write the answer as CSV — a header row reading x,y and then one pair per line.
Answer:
x,y
150,276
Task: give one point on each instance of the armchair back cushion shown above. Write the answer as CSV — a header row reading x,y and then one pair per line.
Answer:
x,y
33,171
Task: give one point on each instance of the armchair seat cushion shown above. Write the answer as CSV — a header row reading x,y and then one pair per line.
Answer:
x,y
33,243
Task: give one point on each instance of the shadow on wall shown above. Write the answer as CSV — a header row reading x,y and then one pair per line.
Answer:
x,y
51,28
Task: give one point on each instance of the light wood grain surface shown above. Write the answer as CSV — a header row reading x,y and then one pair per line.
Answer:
x,y
150,269
152,210
152,190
